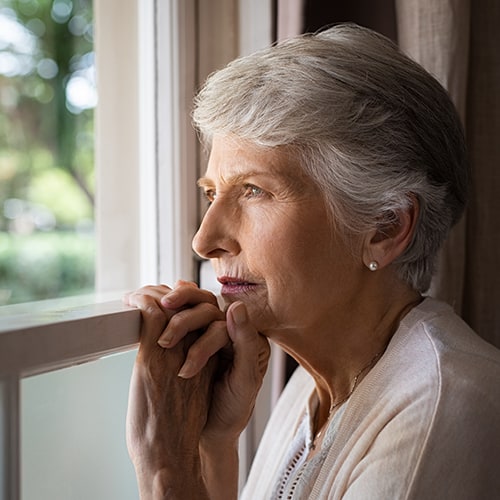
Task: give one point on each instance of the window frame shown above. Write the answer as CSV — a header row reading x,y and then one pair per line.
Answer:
x,y
136,227
150,60
39,337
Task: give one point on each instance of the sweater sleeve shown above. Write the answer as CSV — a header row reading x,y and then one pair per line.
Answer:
x,y
433,435
426,425
455,458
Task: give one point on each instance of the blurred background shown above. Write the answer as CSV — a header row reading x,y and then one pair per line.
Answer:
x,y
47,98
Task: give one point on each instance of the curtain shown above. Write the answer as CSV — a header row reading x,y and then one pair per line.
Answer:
x,y
289,21
436,34
481,305
458,41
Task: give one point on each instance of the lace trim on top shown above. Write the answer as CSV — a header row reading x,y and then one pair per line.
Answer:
x,y
298,474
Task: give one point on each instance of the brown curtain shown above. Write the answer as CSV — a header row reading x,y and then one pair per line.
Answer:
x,y
459,42
481,304
436,34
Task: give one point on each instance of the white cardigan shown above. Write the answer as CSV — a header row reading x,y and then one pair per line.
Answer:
x,y
423,424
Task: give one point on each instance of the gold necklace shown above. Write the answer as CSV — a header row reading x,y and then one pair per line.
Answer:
x,y
349,394
355,381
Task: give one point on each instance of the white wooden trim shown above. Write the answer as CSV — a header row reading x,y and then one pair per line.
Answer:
x,y
176,139
48,338
148,144
117,145
9,438
146,151
44,336
168,144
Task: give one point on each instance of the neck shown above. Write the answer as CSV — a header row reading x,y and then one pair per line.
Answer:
x,y
341,351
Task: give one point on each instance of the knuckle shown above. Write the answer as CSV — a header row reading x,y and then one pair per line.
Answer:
x,y
219,326
212,299
210,309
184,283
155,288
198,354
153,312
146,289
176,321
149,308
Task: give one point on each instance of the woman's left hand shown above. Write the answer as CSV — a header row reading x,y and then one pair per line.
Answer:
x,y
185,333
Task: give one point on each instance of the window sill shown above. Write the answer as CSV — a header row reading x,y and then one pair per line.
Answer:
x,y
38,337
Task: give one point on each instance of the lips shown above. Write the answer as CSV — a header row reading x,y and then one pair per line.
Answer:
x,y
235,285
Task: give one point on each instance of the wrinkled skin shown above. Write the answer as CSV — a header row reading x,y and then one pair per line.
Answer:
x,y
288,275
193,391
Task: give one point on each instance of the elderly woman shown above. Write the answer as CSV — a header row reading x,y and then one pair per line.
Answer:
x,y
337,167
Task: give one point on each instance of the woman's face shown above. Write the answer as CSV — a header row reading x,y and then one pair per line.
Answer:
x,y
267,235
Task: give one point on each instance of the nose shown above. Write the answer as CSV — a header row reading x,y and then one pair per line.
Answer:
x,y
216,234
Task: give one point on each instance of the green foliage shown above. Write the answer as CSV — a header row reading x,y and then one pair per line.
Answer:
x,y
46,148
53,188
44,265
50,47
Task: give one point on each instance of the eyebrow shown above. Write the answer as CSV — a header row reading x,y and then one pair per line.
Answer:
x,y
205,182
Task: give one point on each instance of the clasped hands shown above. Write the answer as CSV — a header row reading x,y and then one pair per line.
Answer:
x,y
194,384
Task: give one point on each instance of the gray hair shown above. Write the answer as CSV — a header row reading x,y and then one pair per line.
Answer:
x,y
371,127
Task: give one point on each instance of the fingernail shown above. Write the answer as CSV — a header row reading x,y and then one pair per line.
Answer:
x,y
239,314
164,341
186,370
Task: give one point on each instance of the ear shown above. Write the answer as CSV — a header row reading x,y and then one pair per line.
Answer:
x,y
388,241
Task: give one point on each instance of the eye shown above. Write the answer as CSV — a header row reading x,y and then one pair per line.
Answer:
x,y
252,191
210,195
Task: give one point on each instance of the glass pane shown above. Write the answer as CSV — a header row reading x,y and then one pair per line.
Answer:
x,y
73,433
47,96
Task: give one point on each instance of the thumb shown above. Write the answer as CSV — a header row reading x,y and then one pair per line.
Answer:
x,y
251,349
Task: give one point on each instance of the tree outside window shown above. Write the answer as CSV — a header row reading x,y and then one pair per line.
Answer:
x,y
47,97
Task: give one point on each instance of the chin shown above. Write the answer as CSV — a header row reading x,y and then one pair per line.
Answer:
x,y
258,309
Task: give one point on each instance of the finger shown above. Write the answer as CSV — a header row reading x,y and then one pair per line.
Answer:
x,y
154,319
189,320
186,293
148,300
179,283
155,291
212,341
251,349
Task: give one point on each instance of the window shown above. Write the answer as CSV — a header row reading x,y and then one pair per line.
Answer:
x,y
143,198
62,426
146,214
47,96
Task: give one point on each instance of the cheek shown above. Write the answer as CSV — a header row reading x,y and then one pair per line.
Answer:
x,y
262,235
311,266
287,244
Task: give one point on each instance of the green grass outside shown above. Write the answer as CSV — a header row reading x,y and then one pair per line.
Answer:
x,y
45,265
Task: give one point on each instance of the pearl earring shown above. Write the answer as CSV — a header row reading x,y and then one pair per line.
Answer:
x,y
373,265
